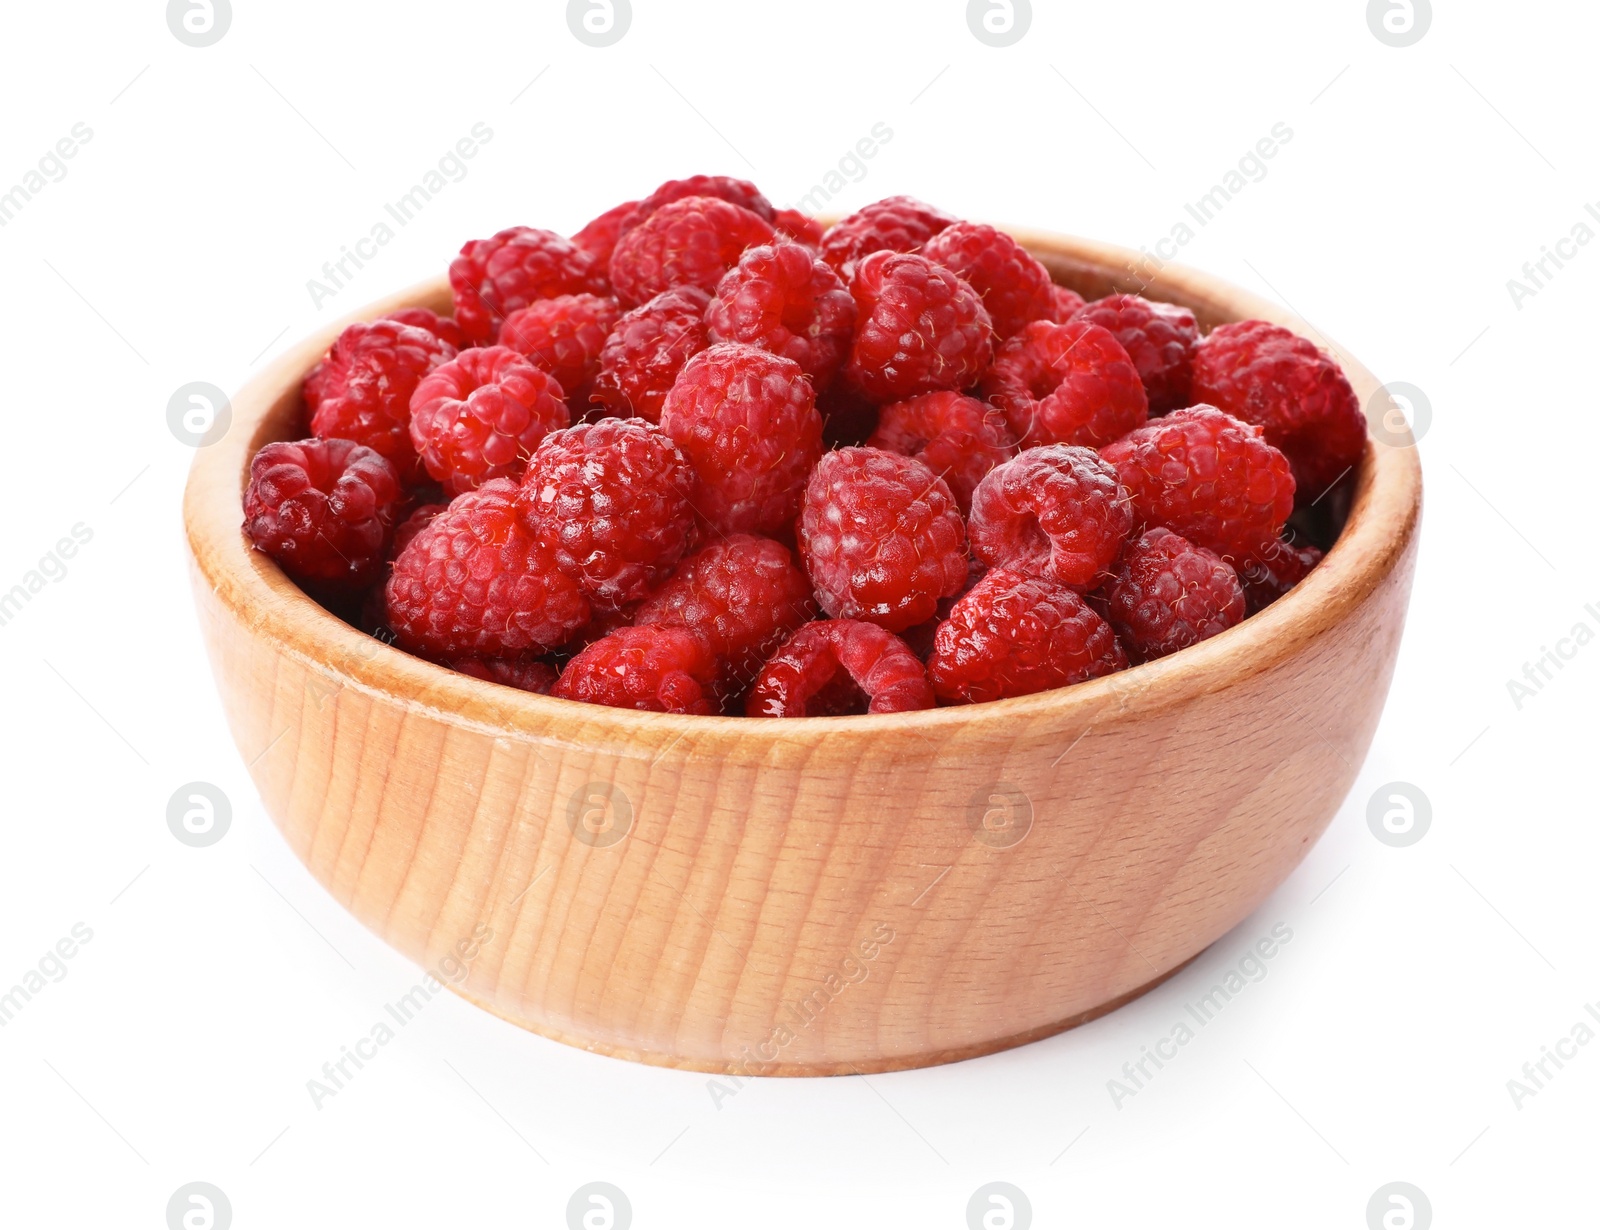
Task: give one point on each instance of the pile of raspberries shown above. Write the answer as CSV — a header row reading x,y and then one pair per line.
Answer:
x,y
705,456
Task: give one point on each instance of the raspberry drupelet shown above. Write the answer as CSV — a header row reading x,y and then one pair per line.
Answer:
x,y
1015,288
481,415
599,235
691,241
1013,635
1160,338
919,328
474,582
747,421
1066,384
1298,396
742,595
1168,594
564,336
837,667
610,501
1273,570
647,349
442,327
739,192
361,390
324,509
783,298
881,538
1207,476
894,224
1058,511
656,668
494,277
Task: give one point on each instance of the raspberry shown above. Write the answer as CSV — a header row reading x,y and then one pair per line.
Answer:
x,y
1208,476
323,509
494,277
739,192
1168,594
957,437
895,224
692,241
481,415
1057,511
802,228
1066,384
919,328
835,667
1275,569
524,673
564,336
647,350
742,596
1295,393
611,501
474,582
362,390
416,521
442,327
660,669
599,237
881,538
1067,303
747,421
783,298
1014,286
1013,635
1159,338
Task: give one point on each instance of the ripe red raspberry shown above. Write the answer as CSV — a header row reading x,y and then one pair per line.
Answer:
x,y
957,437
802,228
783,298
1057,511
647,349
362,390
1067,303
1208,476
919,328
481,415
1264,374
748,423
742,595
611,500
838,667
1015,287
689,242
1160,339
442,327
655,668
599,236
494,277
1066,384
415,522
474,582
894,224
739,192
323,509
881,538
564,336
523,673
1013,635
1168,594
1275,569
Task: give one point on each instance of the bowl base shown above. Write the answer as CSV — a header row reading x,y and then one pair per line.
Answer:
x,y
895,1063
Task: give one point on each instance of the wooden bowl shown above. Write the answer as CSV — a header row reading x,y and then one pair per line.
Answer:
x,y
806,896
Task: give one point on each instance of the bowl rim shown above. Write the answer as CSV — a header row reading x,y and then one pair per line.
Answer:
x,y
1383,518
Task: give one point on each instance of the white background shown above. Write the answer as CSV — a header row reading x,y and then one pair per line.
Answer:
x,y
218,981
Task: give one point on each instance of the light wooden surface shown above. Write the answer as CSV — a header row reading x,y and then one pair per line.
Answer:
x,y
806,896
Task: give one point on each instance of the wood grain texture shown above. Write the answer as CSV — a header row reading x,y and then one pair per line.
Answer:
x,y
806,896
